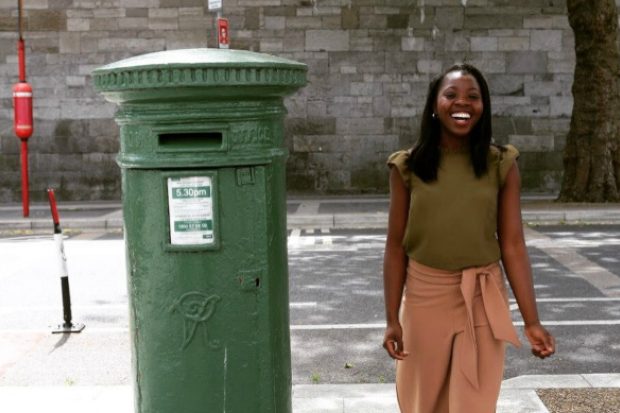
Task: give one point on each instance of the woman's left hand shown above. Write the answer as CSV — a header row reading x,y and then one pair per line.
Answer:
x,y
542,342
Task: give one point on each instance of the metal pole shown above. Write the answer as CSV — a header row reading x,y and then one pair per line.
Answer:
x,y
68,326
25,184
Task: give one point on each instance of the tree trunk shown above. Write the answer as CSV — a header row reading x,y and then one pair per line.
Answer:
x,y
592,155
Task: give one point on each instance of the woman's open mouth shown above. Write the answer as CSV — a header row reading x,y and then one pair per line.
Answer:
x,y
461,118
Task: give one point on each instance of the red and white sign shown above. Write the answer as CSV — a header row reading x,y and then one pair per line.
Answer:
x,y
222,33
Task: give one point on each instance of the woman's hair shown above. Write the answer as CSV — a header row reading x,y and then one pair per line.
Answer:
x,y
425,156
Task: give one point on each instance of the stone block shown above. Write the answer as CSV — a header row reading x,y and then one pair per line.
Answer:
x,y
365,62
309,22
532,143
76,81
538,22
259,3
295,41
108,13
546,40
429,66
78,24
541,160
561,106
526,62
397,21
481,22
386,10
158,23
182,3
344,106
382,106
373,21
411,44
275,22
503,84
562,66
483,44
194,23
561,22
350,18
366,89
47,20
541,181
134,23
552,126
186,39
139,12
310,125
507,105
139,3
104,24
331,22
449,18
317,108
131,45
69,42
489,63
541,88
396,88
271,45
252,18
509,44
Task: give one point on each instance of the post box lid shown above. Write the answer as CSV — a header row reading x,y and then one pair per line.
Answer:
x,y
201,57
202,68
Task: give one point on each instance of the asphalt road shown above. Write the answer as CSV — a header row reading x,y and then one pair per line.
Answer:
x,y
336,306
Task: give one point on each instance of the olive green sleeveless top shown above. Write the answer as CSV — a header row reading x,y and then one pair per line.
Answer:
x,y
452,221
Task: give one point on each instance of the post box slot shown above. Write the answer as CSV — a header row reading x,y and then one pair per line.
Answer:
x,y
191,141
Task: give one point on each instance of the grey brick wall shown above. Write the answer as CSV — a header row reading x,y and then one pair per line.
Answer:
x,y
369,65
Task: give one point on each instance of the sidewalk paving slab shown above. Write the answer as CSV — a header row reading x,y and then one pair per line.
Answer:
x,y
518,395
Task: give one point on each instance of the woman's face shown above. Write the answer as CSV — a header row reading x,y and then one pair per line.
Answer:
x,y
459,104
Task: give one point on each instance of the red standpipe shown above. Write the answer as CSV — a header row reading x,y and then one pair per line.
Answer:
x,y
23,121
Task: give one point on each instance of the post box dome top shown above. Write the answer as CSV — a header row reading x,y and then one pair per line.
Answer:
x,y
199,67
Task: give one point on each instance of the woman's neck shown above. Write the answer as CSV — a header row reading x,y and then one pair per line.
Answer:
x,y
453,143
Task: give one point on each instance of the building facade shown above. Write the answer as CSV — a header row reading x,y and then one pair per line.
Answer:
x,y
369,62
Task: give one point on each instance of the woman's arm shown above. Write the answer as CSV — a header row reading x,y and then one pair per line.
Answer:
x,y
517,263
395,265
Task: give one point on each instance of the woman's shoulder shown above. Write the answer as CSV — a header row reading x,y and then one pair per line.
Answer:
x,y
503,157
399,160
399,157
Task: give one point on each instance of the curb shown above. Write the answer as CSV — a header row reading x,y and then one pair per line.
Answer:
x,y
518,395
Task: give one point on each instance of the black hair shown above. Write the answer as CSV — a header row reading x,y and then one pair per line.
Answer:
x,y
425,155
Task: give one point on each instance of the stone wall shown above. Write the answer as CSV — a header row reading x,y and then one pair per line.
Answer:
x,y
369,65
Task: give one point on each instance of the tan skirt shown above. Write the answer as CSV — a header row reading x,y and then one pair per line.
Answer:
x,y
454,328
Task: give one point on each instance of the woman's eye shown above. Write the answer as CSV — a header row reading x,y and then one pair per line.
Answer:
x,y
474,97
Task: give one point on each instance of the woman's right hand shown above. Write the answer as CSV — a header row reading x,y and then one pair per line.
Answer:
x,y
393,342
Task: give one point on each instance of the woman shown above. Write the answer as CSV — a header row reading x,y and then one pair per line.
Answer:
x,y
454,213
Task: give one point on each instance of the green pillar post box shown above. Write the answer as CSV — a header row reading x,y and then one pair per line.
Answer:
x,y
203,172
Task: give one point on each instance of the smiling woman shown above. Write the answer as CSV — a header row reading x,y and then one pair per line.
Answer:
x,y
454,214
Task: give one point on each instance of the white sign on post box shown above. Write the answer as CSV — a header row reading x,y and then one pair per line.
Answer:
x,y
190,203
215,4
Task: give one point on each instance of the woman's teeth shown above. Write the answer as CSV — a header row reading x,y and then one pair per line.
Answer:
x,y
461,116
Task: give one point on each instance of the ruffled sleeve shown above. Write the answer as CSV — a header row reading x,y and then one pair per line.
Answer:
x,y
507,158
399,160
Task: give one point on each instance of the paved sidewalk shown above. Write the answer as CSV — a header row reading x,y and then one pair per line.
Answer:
x,y
518,395
336,212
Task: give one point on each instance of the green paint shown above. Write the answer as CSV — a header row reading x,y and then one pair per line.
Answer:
x,y
209,323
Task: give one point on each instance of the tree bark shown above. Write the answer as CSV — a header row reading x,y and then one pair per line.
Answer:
x,y
592,155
